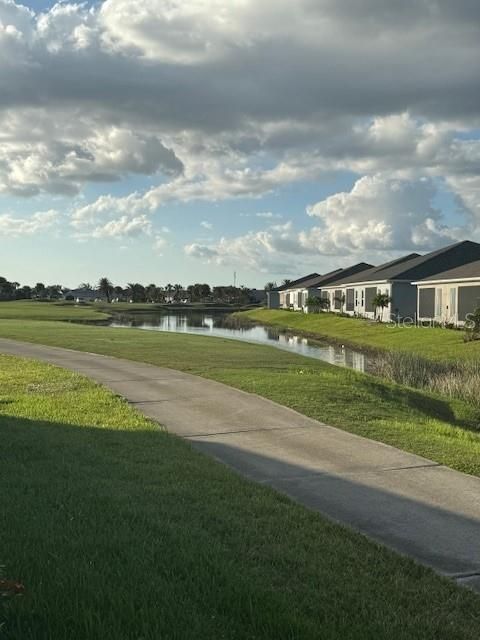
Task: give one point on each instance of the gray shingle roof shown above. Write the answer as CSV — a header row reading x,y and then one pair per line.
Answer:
x,y
389,268
340,274
470,270
315,281
415,267
294,283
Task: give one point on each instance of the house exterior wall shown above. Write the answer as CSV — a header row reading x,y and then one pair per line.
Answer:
x,y
273,299
366,293
296,299
284,299
357,299
452,301
289,299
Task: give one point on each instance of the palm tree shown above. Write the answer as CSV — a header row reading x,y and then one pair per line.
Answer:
x,y
286,281
151,292
136,292
119,292
381,300
105,287
168,291
177,288
54,291
7,289
270,286
39,290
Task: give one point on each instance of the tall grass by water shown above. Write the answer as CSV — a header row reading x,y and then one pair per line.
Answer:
x,y
459,379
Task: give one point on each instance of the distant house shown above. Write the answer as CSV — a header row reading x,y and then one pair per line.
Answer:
x,y
288,293
449,296
325,287
354,294
396,279
310,289
83,295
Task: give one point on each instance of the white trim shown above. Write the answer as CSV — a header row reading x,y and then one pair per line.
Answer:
x,y
427,283
360,283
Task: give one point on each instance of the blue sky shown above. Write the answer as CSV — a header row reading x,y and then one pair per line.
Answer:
x,y
178,141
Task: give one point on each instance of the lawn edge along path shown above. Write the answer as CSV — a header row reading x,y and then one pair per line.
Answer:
x,y
117,529
428,342
411,504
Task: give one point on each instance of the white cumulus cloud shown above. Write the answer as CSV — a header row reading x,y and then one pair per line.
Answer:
x,y
14,226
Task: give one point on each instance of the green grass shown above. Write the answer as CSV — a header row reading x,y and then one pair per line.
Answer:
x,y
434,343
444,430
120,531
36,310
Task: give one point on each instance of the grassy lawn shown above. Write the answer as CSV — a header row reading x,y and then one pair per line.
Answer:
x,y
120,531
34,310
446,431
436,343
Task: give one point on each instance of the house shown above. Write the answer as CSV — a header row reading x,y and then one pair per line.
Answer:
x,y
449,296
273,299
325,287
83,294
354,294
288,293
295,295
310,289
396,279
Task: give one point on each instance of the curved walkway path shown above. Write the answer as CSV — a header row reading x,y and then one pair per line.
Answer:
x,y
409,503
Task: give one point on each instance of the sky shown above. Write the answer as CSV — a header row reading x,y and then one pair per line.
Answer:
x,y
184,140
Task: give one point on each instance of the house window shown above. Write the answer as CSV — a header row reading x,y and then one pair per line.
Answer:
x,y
356,297
349,300
426,302
363,298
453,302
438,303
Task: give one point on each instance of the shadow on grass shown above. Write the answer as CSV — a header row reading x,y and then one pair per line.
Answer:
x,y
122,534
427,404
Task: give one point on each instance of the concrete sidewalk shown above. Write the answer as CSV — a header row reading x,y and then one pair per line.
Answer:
x,y
406,502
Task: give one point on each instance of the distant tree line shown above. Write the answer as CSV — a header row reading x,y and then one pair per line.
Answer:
x,y
137,292
14,291
132,292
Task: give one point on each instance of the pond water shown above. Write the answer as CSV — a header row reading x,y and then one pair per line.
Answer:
x,y
223,325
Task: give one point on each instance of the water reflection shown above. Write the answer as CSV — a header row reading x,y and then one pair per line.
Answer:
x,y
222,325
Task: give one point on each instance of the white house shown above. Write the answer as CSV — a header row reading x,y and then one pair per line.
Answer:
x,y
329,289
396,279
354,294
309,289
289,295
83,294
296,294
448,297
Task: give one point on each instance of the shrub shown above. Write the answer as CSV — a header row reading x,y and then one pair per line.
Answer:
x,y
315,303
472,326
